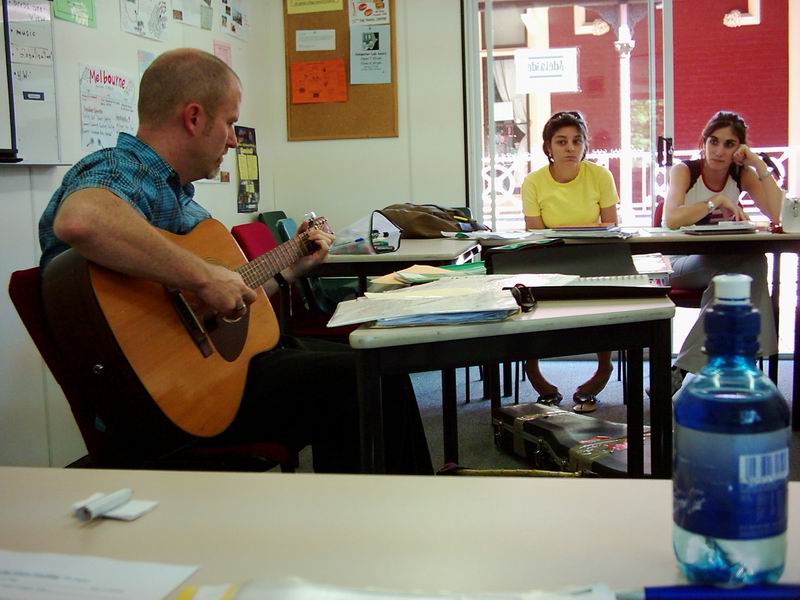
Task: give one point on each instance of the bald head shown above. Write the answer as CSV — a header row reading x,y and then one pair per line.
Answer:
x,y
180,76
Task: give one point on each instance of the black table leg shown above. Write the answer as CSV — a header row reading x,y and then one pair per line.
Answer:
x,y
796,359
776,301
370,406
635,411
661,400
449,416
507,389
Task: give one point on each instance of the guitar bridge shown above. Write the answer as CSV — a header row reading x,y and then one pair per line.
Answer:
x,y
190,321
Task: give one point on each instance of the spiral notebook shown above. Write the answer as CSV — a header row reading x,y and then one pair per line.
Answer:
x,y
602,287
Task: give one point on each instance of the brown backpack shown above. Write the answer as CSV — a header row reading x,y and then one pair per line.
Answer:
x,y
429,220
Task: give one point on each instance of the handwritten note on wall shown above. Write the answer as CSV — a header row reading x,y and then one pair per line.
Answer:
x,y
108,99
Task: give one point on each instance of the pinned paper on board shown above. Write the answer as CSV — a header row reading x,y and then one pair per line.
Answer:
x,y
297,7
369,12
370,54
318,81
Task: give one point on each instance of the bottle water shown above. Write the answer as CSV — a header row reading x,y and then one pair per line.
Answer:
x,y
731,457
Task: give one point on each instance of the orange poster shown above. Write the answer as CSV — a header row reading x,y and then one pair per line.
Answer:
x,y
319,81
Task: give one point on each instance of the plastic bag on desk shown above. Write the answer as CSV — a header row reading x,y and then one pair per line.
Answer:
x,y
374,234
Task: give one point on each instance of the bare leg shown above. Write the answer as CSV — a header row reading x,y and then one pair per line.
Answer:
x,y
538,381
595,384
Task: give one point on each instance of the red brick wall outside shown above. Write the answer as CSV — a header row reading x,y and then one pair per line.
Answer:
x,y
745,69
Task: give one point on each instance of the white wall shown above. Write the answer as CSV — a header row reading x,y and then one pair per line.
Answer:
x,y
342,179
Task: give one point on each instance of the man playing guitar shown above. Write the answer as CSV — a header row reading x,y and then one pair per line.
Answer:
x,y
111,208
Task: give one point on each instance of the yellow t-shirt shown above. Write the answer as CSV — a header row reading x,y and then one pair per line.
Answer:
x,y
577,202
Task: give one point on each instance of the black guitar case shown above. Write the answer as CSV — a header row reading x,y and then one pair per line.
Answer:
x,y
549,437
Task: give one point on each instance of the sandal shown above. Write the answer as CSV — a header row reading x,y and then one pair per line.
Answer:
x,y
584,403
552,399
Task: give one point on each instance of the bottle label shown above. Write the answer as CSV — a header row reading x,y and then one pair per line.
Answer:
x,y
730,486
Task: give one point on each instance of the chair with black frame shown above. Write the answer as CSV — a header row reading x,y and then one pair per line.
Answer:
x,y
101,434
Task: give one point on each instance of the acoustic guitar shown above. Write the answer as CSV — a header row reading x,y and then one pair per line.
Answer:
x,y
135,344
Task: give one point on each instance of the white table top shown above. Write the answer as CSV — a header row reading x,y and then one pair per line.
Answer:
x,y
459,534
547,316
662,234
644,235
430,249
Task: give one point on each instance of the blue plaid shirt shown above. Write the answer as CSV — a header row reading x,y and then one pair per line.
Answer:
x,y
133,172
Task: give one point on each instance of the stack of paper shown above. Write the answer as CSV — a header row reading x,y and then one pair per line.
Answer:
x,y
447,301
656,266
490,235
599,231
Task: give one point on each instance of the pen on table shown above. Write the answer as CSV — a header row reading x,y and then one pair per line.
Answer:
x,y
786,591
104,504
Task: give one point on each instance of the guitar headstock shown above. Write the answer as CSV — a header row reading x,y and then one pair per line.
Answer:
x,y
314,222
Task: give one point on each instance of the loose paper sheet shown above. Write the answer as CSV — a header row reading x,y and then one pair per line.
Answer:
x,y
80,12
318,81
187,12
147,18
369,12
235,18
370,54
41,576
314,40
305,590
108,106
296,7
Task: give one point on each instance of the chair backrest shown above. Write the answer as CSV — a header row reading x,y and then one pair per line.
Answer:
x,y
25,290
658,213
255,239
307,287
270,218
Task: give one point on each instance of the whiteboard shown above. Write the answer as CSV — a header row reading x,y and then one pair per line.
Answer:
x,y
30,37
7,145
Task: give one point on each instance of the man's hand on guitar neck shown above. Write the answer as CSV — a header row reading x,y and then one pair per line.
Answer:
x,y
323,241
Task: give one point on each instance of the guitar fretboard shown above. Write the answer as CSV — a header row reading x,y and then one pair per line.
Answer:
x,y
258,271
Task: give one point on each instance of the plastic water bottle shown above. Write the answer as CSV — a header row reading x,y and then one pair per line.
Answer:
x,y
731,460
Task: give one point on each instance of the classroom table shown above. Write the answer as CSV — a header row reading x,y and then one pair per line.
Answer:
x,y
435,252
459,534
655,239
552,329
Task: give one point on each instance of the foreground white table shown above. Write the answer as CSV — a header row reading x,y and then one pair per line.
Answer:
x,y
459,534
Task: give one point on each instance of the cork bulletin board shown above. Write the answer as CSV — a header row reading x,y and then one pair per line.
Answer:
x,y
370,110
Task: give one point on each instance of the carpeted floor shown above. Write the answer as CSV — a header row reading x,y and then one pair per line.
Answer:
x,y
476,442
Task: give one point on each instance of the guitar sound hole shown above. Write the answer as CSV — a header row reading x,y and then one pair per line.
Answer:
x,y
228,335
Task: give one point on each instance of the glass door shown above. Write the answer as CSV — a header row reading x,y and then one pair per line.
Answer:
x,y
602,59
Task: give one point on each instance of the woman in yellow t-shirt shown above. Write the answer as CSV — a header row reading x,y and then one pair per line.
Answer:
x,y
569,191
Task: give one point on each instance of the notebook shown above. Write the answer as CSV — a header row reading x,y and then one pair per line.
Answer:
x,y
721,228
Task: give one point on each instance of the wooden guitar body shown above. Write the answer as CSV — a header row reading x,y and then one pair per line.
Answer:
x,y
145,352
